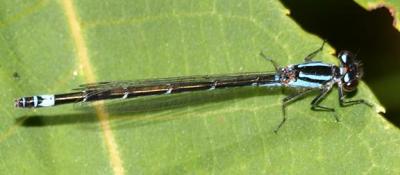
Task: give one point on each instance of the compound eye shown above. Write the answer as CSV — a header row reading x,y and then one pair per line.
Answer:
x,y
349,82
345,57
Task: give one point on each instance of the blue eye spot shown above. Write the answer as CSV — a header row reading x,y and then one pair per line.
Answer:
x,y
344,57
346,78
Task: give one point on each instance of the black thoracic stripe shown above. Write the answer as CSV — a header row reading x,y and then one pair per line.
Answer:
x,y
315,69
309,72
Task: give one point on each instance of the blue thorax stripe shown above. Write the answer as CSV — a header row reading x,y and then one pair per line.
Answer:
x,y
315,77
310,64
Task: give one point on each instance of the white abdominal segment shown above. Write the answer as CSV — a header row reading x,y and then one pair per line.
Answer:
x,y
46,100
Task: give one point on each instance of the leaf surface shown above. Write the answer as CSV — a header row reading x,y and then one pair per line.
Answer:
x,y
53,46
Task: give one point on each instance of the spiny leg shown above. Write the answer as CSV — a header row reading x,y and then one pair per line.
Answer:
x,y
345,103
315,103
276,66
310,56
286,101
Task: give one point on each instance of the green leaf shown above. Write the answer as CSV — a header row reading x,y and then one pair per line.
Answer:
x,y
53,46
392,5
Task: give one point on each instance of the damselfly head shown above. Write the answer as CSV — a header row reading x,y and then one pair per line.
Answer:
x,y
353,70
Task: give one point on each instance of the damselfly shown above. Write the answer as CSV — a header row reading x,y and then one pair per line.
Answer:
x,y
305,77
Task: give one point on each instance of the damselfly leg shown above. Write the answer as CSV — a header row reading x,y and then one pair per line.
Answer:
x,y
286,101
310,56
315,103
276,65
345,103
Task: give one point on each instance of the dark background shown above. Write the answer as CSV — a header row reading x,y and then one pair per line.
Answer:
x,y
369,33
